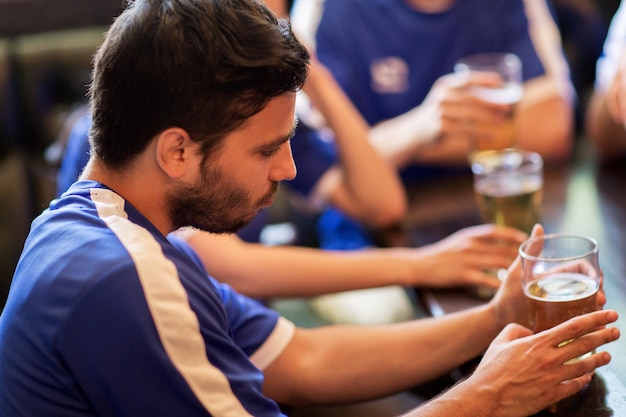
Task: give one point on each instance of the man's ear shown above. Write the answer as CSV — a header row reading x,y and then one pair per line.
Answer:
x,y
175,152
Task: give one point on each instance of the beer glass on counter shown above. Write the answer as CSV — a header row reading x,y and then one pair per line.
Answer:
x,y
560,279
509,68
508,185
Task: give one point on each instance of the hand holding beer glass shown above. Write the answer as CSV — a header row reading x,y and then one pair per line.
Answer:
x,y
560,278
508,67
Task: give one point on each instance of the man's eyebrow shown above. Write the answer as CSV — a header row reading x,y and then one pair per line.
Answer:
x,y
284,139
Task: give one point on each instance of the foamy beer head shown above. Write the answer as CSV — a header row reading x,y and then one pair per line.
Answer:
x,y
560,278
508,185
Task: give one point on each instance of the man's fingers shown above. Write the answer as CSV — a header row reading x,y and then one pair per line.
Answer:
x,y
588,343
572,386
581,325
579,367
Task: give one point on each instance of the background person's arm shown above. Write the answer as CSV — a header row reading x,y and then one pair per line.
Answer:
x,y
273,271
363,184
545,118
606,132
606,111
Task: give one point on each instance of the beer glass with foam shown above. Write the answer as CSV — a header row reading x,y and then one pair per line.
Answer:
x,y
508,185
560,279
509,68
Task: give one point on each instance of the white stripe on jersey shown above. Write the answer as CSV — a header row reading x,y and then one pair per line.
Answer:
x,y
274,345
176,323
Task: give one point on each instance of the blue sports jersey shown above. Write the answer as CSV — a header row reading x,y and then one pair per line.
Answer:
x,y
107,317
387,55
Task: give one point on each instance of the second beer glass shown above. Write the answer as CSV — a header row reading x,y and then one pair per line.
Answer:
x,y
509,185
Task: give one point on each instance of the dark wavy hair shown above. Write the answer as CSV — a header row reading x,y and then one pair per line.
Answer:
x,y
202,65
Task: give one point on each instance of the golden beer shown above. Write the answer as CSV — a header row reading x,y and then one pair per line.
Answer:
x,y
559,297
510,201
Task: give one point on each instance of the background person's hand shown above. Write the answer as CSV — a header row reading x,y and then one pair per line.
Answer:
x,y
541,375
447,122
461,112
469,256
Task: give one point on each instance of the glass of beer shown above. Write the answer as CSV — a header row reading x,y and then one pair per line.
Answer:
x,y
560,279
508,185
509,68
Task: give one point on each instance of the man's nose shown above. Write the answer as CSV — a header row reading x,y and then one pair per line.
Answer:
x,y
285,167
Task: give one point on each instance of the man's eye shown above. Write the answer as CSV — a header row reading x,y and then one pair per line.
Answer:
x,y
269,153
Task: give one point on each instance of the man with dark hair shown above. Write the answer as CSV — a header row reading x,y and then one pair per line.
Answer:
x,y
193,109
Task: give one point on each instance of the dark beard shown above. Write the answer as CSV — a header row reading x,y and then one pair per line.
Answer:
x,y
214,205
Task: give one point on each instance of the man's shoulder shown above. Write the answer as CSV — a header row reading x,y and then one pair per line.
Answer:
x,y
71,246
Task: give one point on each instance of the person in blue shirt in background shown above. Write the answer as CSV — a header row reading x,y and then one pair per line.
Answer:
x,y
395,59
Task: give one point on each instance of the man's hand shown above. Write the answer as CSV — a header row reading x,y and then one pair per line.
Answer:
x,y
527,372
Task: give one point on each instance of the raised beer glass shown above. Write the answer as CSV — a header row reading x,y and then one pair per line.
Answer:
x,y
509,68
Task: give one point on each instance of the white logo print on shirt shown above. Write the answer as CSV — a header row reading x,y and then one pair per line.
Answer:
x,y
389,75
